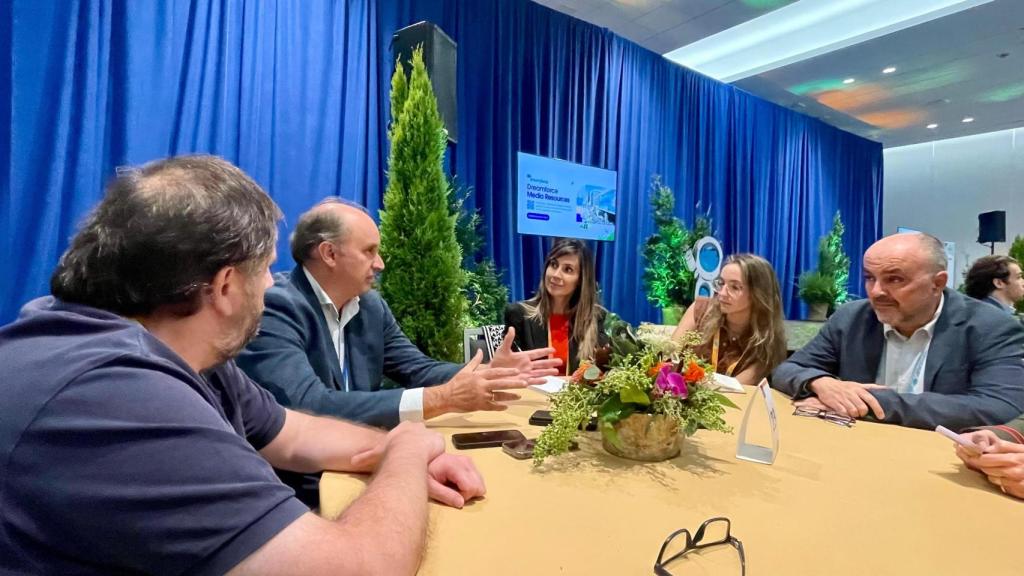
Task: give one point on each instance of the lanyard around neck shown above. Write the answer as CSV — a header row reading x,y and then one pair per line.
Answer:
x,y
714,355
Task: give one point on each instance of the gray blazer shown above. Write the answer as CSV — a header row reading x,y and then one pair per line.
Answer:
x,y
974,373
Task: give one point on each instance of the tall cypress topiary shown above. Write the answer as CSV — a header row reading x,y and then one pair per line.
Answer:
x,y
833,261
423,279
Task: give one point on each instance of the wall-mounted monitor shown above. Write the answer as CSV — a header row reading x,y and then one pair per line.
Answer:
x,y
565,199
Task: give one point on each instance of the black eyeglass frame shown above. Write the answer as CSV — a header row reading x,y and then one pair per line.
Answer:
x,y
694,542
826,415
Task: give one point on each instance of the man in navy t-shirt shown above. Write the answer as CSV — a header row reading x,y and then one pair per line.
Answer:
x,y
130,441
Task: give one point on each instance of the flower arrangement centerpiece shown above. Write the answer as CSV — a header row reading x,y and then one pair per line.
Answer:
x,y
645,390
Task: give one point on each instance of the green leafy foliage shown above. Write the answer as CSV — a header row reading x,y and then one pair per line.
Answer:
x,y
1017,253
423,280
485,293
833,262
829,283
815,287
668,276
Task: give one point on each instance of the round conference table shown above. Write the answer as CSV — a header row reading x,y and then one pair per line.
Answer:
x,y
871,499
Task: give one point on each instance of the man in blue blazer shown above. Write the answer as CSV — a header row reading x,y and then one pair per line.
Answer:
x,y
914,353
327,340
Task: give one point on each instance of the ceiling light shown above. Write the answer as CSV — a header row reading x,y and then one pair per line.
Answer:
x,y
849,81
932,126
805,29
889,70
968,119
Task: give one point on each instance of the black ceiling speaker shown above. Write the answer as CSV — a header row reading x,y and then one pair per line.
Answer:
x,y
992,226
439,58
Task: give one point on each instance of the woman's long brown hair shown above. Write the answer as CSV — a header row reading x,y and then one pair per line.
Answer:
x,y
767,344
583,305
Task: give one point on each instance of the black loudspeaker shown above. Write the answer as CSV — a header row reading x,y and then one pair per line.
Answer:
x,y
439,58
992,226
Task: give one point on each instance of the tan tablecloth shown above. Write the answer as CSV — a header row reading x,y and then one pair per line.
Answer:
x,y
874,499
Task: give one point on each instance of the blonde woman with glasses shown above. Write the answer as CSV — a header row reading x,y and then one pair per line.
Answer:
x,y
742,327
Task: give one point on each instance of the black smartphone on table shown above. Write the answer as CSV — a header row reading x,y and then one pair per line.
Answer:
x,y
489,439
543,418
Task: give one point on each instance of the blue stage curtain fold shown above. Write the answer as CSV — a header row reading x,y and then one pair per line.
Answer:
x,y
296,93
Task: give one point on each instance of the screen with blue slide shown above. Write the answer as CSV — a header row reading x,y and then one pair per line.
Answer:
x,y
559,198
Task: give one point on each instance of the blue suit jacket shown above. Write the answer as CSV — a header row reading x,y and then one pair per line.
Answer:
x,y
974,373
293,356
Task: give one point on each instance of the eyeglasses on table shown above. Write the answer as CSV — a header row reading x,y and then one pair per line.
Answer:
x,y
825,415
712,532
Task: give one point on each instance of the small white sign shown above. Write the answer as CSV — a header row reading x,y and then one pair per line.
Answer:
x,y
551,385
725,383
755,452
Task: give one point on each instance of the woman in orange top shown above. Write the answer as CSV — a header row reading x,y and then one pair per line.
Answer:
x,y
742,328
564,313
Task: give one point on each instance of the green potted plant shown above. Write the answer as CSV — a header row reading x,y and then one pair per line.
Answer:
x,y
647,392
818,291
825,288
668,276
423,281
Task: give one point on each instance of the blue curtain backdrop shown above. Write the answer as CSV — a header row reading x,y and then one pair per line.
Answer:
x,y
296,93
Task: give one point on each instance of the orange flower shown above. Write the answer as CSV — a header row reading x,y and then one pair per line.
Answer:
x,y
694,373
653,370
577,376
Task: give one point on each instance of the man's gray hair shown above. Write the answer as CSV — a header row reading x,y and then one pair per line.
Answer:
x,y
935,252
318,225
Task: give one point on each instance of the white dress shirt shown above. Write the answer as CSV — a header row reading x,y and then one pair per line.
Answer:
x,y
903,359
410,407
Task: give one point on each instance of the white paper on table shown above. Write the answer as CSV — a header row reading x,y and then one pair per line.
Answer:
x,y
725,383
551,385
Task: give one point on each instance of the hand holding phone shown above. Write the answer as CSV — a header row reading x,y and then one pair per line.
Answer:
x,y
961,440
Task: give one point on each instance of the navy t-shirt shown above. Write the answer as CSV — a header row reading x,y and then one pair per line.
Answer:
x,y
116,457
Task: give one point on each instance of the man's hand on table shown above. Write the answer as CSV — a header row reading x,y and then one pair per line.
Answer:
x,y
407,434
452,480
851,399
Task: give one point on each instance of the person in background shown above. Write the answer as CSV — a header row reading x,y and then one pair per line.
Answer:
x,y
742,328
565,313
915,353
996,280
1002,455
130,441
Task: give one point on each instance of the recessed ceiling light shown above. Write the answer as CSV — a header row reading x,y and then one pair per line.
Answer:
x,y
802,30
889,70
932,126
968,119
849,81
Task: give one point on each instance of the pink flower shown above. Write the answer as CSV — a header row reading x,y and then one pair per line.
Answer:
x,y
669,382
